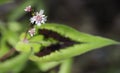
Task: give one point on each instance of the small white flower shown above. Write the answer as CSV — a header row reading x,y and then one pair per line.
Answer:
x,y
39,18
32,32
28,9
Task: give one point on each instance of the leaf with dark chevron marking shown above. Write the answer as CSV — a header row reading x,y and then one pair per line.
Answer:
x,y
66,43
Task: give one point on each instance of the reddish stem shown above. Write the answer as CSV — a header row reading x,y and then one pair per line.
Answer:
x,y
8,54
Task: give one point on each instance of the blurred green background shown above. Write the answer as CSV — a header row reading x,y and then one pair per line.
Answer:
x,y
98,17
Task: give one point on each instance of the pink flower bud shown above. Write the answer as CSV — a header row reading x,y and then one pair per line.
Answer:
x,y
32,32
28,9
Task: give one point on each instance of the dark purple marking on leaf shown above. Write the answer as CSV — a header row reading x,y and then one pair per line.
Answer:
x,y
65,42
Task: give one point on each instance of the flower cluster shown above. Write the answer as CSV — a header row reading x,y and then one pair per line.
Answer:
x,y
38,18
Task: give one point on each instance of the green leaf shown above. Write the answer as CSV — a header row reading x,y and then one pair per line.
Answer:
x,y
32,43
89,43
3,50
15,64
3,47
85,43
12,37
35,43
14,26
26,47
75,35
2,28
47,66
66,66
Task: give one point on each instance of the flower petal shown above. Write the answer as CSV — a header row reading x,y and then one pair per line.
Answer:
x,y
41,12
